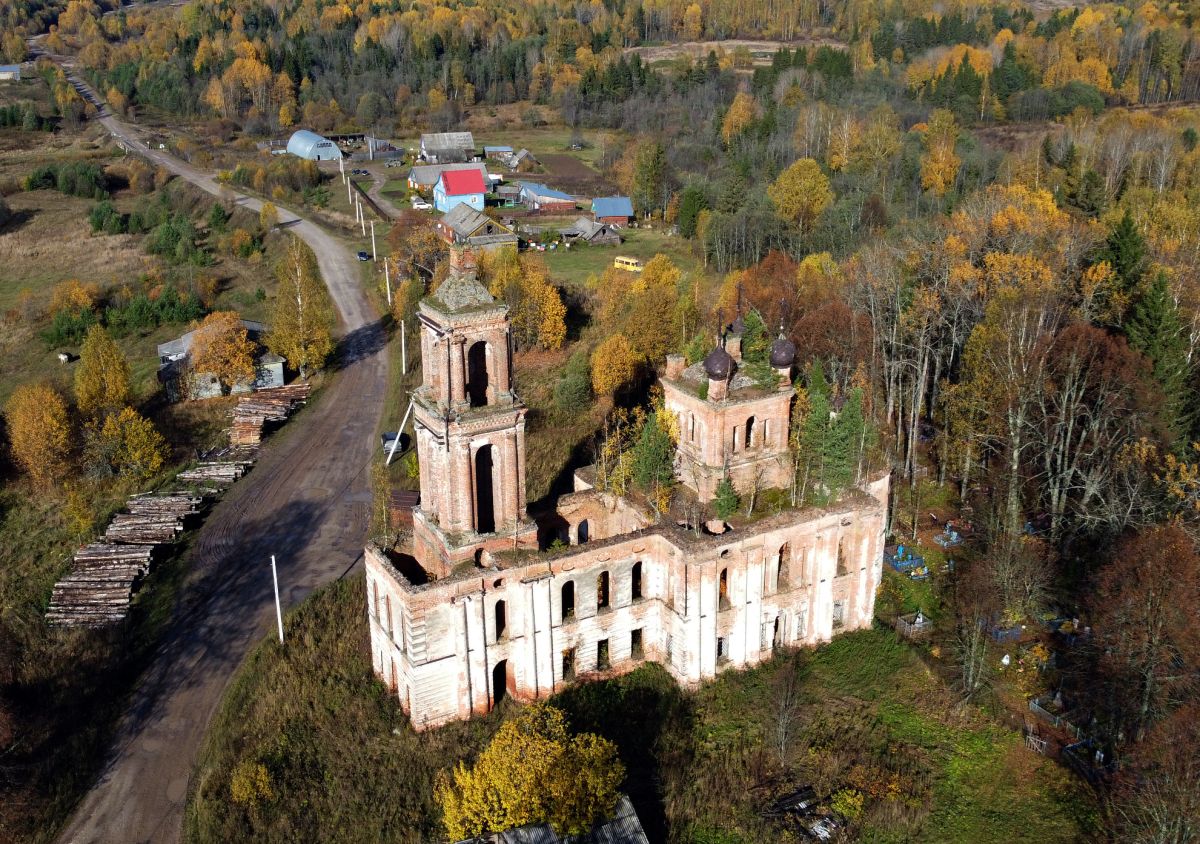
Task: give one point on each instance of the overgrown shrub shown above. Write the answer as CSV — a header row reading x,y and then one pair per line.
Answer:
x,y
76,178
141,313
574,388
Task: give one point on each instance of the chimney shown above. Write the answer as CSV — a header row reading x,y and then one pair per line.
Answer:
x,y
675,365
717,389
733,345
462,259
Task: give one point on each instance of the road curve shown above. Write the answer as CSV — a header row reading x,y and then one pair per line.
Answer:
x,y
307,501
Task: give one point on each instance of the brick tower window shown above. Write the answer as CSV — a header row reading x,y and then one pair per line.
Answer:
x,y
477,374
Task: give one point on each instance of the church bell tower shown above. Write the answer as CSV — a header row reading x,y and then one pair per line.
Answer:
x,y
470,426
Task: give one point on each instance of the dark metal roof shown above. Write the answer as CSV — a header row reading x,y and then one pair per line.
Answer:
x,y
783,352
719,364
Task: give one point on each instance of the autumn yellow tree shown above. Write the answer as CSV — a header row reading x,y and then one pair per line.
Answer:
x,y
523,283
221,348
73,296
741,114
137,450
102,377
801,192
533,771
614,363
268,216
303,319
39,433
939,166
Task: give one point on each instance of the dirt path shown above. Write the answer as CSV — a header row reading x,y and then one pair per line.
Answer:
x,y
307,501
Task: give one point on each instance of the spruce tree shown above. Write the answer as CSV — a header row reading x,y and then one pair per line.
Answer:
x,y
653,456
1156,330
1089,196
1125,251
727,500
815,429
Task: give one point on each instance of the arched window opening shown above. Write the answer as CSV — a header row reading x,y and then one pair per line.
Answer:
x,y
724,589
584,531
387,608
782,572
485,513
636,581
499,682
841,560
501,620
568,600
477,375
568,664
750,432
602,590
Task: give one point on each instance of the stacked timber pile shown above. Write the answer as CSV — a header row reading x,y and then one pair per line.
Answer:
x,y
106,574
98,591
254,411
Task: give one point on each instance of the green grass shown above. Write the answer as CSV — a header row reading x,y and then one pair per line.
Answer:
x,y
572,267
345,766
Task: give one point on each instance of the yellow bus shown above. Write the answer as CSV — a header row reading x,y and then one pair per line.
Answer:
x,y
633,265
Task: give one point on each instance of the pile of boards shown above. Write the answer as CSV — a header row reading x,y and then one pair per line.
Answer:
x,y
254,411
108,572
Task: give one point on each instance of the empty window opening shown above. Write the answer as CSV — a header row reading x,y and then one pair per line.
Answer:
x,y
584,531
603,663
501,620
777,634
485,513
841,560
724,589
499,682
750,432
636,650
692,427
477,376
636,581
375,598
802,623
387,610
568,664
568,600
781,566
722,649
839,611
395,684
602,590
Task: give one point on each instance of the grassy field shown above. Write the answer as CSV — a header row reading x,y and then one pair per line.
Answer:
x,y
343,764
572,267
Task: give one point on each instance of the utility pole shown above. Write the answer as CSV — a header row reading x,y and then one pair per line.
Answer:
x,y
387,278
362,218
403,349
278,609
373,249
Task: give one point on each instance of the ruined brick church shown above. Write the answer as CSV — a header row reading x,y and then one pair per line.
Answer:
x,y
482,602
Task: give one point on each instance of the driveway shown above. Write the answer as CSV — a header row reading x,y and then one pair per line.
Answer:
x,y
307,501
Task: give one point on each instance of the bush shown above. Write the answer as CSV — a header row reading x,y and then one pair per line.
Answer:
x,y
574,388
142,313
77,178
68,328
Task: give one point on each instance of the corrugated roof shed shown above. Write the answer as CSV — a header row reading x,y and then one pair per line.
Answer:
x,y
448,140
545,191
622,828
612,206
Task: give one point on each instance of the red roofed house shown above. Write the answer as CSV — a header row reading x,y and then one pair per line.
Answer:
x,y
456,187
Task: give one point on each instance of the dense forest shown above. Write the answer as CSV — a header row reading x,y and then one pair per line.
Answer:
x,y
977,221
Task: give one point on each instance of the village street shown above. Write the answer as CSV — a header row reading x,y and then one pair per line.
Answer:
x,y
306,501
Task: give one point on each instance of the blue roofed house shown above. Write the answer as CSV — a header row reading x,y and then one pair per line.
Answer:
x,y
459,187
614,210
497,150
540,197
10,71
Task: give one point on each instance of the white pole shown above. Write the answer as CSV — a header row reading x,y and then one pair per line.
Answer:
x,y
387,279
349,192
403,349
399,431
373,258
342,168
362,218
278,609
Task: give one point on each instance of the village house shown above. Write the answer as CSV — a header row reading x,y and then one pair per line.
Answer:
x,y
423,177
465,226
459,187
180,382
447,147
539,197
496,151
589,231
614,210
483,601
10,72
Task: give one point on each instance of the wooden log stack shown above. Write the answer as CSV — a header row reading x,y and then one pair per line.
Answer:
x,y
105,575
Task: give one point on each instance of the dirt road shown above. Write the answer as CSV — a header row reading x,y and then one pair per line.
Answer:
x,y
307,501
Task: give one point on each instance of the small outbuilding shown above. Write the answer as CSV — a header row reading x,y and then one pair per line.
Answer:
x,y
313,147
459,187
615,210
590,231
496,151
541,197
463,225
181,382
447,147
10,72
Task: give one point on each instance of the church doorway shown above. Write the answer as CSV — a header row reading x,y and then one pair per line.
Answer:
x,y
499,682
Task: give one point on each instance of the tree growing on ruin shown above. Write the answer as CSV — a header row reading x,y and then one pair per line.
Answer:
x,y
533,771
223,349
102,376
39,433
303,319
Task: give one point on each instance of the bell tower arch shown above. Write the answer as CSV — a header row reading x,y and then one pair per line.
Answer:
x,y
470,426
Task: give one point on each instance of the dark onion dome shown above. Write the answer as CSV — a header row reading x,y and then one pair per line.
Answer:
x,y
718,364
738,326
783,353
